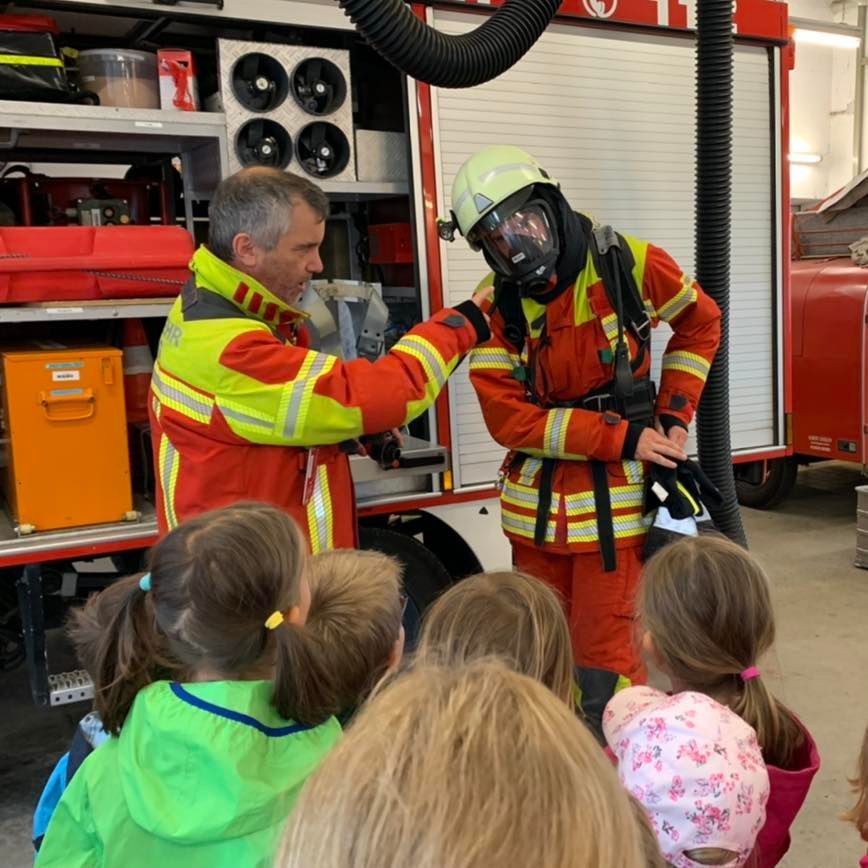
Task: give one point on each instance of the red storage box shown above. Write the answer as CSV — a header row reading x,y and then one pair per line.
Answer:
x,y
72,263
390,243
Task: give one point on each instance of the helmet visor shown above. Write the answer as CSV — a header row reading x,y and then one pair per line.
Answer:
x,y
518,240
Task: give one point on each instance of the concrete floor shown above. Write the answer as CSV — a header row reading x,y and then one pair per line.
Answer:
x,y
807,545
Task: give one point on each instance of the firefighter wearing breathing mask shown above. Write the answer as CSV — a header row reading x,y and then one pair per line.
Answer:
x,y
564,385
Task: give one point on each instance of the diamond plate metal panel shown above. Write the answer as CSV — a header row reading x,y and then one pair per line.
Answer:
x,y
289,114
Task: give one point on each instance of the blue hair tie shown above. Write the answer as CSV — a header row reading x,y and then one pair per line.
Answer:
x,y
145,582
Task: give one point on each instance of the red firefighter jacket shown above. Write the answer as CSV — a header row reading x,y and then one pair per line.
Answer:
x,y
237,402
574,357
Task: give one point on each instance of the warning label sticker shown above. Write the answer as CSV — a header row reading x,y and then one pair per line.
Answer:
x,y
65,376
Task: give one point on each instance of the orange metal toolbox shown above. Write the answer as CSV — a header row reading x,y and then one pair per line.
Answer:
x,y
65,436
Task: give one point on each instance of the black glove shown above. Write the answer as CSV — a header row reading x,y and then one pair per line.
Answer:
x,y
682,489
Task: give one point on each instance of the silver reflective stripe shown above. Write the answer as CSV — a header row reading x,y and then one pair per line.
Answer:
x,y
685,362
531,497
170,457
179,397
529,470
559,422
319,510
526,527
430,356
297,394
244,419
669,312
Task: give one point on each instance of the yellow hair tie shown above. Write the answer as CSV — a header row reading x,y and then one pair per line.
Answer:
x,y
274,620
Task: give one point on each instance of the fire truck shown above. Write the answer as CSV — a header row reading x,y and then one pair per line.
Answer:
x,y
604,99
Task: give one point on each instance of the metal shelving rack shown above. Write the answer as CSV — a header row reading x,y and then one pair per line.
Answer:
x,y
79,134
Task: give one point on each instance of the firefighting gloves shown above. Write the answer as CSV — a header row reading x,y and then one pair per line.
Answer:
x,y
679,496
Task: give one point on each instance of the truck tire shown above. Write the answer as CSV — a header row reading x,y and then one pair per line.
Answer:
x,y
776,480
425,577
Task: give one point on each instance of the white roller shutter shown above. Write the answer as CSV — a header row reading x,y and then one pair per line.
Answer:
x,y
612,117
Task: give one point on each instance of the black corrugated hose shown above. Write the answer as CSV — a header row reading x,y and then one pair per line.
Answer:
x,y
714,62
446,60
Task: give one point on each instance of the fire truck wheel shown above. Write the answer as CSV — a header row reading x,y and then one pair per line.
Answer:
x,y
764,484
425,577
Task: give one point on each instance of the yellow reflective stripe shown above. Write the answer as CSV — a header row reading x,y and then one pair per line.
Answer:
x,y
689,363
244,416
555,438
521,525
28,60
314,366
169,461
622,497
435,363
633,471
625,526
697,510
525,496
610,327
682,299
320,515
493,358
180,397
529,469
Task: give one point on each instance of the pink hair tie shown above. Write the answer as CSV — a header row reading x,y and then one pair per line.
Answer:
x,y
749,674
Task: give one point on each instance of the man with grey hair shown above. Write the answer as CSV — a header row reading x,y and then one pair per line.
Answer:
x,y
241,408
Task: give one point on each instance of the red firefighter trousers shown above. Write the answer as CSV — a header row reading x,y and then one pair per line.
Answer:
x,y
599,606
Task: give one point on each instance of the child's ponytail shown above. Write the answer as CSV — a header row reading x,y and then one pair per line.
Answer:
x,y
706,605
776,729
117,642
304,690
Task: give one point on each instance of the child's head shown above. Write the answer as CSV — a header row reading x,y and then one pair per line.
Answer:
x,y
505,614
705,605
355,612
697,770
858,814
470,767
214,583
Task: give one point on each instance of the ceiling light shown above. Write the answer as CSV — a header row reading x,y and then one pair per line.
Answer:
x,y
805,158
826,38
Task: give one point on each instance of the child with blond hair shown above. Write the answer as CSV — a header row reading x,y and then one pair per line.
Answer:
x,y
705,608
506,614
467,766
355,614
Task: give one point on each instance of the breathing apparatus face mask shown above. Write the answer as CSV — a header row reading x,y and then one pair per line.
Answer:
x,y
519,239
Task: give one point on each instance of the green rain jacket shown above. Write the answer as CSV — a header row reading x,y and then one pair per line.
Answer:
x,y
202,776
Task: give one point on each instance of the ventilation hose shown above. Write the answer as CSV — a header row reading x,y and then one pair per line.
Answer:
x,y
447,60
714,63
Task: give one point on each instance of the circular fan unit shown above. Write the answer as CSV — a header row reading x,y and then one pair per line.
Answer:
x,y
323,150
263,143
318,86
259,82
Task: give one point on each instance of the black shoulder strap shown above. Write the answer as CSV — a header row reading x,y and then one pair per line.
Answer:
x,y
635,314
507,300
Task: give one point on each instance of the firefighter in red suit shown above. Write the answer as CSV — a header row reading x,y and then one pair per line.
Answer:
x,y
564,385
240,408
